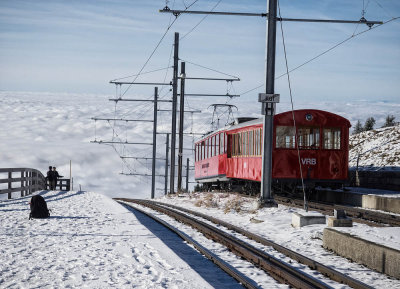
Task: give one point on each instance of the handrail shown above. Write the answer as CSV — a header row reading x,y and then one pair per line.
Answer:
x,y
29,181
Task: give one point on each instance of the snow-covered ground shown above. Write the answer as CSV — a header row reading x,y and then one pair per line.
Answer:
x,y
43,129
376,148
90,241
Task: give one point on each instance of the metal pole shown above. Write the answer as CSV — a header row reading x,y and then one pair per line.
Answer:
x,y
166,163
181,120
268,108
174,100
153,163
187,175
70,170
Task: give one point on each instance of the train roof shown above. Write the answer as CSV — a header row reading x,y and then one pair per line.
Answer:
x,y
313,116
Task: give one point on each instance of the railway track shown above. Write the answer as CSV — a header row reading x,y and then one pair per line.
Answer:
x,y
279,270
370,217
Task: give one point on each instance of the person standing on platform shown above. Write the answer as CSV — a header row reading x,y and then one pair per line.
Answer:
x,y
50,177
55,177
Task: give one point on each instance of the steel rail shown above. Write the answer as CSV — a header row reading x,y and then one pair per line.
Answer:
x,y
276,268
231,271
325,270
372,218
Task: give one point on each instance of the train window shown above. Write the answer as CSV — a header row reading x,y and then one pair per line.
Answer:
x,y
251,143
212,146
234,145
332,138
244,143
221,143
237,144
225,139
217,144
206,150
308,137
285,137
209,147
202,150
257,139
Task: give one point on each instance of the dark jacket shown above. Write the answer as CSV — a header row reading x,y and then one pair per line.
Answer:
x,y
56,175
50,175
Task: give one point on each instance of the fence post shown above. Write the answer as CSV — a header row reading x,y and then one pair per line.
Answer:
x,y
9,184
22,182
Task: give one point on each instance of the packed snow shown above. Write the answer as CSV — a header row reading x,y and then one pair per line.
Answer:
x,y
90,241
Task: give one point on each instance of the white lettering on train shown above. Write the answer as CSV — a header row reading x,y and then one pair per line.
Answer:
x,y
309,161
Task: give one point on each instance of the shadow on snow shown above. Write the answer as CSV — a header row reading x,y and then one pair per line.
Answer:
x,y
204,267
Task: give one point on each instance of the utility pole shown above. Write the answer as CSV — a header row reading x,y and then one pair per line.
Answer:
x,y
166,164
153,163
269,98
268,108
187,175
174,108
181,120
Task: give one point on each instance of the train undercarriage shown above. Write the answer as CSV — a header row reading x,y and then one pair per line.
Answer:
x,y
291,188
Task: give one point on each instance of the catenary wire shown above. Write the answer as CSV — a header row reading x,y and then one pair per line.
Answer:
x,y
291,101
158,45
325,52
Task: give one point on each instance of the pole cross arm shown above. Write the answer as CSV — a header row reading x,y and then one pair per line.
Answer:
x,y
120,142
209,78
212,94
140,83
178,12
143,175
121,119
130,99
361,21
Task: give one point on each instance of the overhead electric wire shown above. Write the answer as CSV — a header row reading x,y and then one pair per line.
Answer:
x,y
143,73
155,49
386,11
325,52
291,101
191,30
211,69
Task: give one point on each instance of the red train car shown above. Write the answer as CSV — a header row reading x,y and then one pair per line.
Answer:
x,y
319,153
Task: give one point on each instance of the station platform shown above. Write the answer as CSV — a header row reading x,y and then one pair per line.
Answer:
x,y
376,248
376,199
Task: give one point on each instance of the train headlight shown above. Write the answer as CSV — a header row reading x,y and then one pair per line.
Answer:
x,y
309,117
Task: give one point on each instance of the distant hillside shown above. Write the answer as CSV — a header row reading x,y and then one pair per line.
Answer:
x,y
377,148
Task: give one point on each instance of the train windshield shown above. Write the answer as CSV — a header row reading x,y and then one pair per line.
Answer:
x,y
308,137
332,138
285,137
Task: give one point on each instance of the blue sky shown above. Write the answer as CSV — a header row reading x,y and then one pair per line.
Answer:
x,y
79,46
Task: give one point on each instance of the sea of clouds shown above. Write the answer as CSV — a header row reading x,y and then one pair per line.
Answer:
x,y
56,129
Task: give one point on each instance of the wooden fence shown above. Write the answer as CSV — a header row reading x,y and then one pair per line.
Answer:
x,y
26,181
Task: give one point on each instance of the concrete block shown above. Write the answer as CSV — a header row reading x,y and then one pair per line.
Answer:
x,y
334,222
387,204
339,214
375,256
304,219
